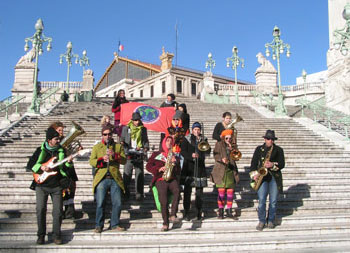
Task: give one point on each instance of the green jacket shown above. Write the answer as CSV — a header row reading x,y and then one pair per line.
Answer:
x,y
43,155
96,161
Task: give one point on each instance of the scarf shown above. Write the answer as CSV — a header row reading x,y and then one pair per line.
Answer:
x,y
135,133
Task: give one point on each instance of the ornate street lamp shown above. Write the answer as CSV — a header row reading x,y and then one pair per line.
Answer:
x,y
37,41
210,63
235,62
84,61
68,57
342,36
277,46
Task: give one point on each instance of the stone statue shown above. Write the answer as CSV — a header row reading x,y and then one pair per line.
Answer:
x,y
266,65
27,58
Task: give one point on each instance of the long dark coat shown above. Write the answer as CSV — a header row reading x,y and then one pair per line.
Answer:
x,y
188,147
277,156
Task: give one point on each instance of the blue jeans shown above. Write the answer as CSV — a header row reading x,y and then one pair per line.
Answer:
x,y
267,188
100,194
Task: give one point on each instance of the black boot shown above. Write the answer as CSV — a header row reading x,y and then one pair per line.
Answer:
x,y
221,213
199,215
229,214
69,211
187,215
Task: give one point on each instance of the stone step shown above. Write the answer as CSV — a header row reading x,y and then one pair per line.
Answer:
x,y
293,242
208,228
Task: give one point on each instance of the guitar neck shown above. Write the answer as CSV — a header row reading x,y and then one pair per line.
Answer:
x,y
63,161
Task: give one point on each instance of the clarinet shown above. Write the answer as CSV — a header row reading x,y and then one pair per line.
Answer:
x,y
107,148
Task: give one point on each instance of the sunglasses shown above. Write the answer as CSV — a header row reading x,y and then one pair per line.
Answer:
x,y
268,139
109,134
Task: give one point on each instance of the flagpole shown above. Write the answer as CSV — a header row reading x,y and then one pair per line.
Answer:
x,y
176,35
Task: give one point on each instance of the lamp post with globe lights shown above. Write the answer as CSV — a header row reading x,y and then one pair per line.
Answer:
x,y
37,41
84,61
277,46
235,62
68,56
210,63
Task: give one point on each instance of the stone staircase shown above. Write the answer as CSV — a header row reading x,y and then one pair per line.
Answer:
x,y
312,213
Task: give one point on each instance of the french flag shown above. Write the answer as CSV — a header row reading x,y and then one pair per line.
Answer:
x,y
120,47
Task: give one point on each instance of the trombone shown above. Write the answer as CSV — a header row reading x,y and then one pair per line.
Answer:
x,y
203,145
235,154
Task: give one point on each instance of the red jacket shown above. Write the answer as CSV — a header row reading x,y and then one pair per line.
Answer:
x,y
153,165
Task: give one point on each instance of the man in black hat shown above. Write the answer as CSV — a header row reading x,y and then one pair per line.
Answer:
x,y
271,157
51,185
135,141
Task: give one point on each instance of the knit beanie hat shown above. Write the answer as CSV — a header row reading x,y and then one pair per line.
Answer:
x,y
51,133
178,115
197,124
226,132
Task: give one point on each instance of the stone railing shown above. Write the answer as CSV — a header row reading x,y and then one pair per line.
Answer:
x,y
60,85
309,87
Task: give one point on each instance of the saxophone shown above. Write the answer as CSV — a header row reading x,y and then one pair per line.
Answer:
x,y
169,165
261,172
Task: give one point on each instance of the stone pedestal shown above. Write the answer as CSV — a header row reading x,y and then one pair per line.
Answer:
x,y
88,80
208,85
24,78
266,76
266,82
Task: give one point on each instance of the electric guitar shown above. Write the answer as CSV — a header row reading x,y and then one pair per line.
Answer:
x,y
42,176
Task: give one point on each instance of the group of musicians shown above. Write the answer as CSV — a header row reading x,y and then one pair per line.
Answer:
x,y
179,161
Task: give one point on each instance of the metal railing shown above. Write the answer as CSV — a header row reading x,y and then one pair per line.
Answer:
x,y
9,102
333,119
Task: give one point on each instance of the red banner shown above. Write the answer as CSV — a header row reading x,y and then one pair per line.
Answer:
x,y
153,118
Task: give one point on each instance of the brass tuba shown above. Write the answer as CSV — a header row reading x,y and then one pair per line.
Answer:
x,y
203,145
69,142
235,154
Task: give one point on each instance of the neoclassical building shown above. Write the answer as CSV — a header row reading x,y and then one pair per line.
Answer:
x,y
145,80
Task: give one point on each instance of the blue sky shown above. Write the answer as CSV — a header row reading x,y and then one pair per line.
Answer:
x,y
143,27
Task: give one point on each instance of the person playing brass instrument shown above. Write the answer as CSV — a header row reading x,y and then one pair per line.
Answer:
x,y
225,173
193,173
221,126
272,182
157,164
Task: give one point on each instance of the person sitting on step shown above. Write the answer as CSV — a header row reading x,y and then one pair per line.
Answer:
x,y
158,163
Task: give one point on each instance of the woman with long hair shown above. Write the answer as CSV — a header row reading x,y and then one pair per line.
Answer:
x,y
118,101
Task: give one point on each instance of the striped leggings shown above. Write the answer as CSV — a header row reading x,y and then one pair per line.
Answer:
x,y
229,197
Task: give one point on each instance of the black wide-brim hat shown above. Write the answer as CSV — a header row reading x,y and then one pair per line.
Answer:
x,y
270,134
